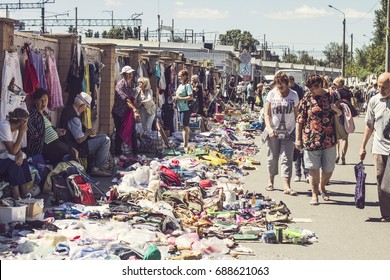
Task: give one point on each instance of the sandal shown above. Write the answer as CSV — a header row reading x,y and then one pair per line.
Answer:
x,y
270,188
314,201
290,192
325,196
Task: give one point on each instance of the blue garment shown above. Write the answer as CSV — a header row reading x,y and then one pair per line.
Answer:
x,y
37,61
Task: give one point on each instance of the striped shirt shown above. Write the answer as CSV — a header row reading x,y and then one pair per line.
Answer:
x,y
50,134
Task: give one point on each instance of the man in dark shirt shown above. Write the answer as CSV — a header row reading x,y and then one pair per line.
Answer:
x,y
299,164
295,87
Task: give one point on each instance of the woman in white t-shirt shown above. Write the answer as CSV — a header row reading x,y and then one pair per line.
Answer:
x,y
13,161
281,109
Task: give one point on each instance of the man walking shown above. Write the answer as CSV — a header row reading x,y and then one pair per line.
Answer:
x,y
377,117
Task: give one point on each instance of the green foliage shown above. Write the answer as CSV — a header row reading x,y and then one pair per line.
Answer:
x,y
119,33
290,58
240,40
305,58
371,59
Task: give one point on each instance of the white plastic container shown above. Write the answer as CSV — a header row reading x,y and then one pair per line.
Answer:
x,y
13,214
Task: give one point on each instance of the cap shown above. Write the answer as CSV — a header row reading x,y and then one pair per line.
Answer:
x,y
86,98
127,69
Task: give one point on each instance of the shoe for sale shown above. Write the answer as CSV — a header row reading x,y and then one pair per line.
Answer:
x,y
297,178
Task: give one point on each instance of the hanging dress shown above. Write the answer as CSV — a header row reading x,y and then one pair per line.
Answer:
x,y
53,82
37,61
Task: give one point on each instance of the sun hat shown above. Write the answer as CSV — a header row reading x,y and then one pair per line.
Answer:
x,y
127,69
86,98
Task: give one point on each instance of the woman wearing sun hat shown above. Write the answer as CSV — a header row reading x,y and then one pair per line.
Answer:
x,y
124,106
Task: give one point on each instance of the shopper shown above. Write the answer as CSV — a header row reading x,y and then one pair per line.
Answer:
x,y
281,109
183,95
316,134
144,103
377,117
124,108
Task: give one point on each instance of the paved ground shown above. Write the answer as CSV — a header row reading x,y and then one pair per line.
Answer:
x,y
344,231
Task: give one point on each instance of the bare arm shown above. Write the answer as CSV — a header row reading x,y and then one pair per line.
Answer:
x,y
366,136
267,119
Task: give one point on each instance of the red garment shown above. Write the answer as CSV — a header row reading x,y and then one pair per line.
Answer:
x,y
30,77
127,128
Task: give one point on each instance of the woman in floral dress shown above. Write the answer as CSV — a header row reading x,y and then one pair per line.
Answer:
x,y
316,134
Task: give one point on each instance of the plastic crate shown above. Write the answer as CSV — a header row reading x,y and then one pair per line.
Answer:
x,y
13,214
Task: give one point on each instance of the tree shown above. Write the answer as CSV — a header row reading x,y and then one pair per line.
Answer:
x,y
96,35
89,33
333,53
305,58
72,29
371,59
239,40
290,57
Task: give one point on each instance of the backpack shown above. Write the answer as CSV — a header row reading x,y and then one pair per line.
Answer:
x,y
169,177
81,190
61,191
194,103
349,124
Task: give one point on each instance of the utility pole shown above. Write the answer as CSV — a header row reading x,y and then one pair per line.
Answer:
x,y
388,38
159,31
343,63
76,20
351,48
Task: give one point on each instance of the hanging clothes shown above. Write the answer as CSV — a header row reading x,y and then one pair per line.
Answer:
x,y
162,82
37,61
75,75
87,116
93,80
11,70
53,82
30,77
12,76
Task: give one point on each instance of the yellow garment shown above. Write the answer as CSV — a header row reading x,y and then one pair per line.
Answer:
x,y
87,116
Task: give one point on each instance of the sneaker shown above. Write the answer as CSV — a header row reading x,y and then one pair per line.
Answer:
x,y
307,179
98,172
297,178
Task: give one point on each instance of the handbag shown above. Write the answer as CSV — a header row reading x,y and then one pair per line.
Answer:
x,y
360,190
341,133
385,184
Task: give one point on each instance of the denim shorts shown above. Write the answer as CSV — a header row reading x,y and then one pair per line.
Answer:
x,y
184,118
325,159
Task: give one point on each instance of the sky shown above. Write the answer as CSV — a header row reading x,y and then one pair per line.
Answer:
x,y
299,25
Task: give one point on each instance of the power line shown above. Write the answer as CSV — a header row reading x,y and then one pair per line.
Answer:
x,y
365,14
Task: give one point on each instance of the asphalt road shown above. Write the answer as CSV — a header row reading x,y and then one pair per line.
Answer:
x,y
344,231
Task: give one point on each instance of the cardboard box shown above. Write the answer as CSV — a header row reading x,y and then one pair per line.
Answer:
x,y
34,207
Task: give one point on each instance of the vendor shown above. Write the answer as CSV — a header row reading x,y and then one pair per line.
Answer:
x,y
13,161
